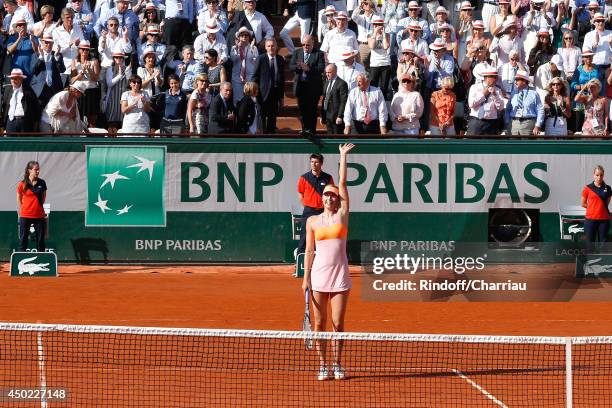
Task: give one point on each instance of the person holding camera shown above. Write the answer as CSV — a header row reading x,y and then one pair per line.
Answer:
x,y
595,109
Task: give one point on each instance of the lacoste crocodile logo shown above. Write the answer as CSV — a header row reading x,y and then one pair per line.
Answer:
x,y
31,268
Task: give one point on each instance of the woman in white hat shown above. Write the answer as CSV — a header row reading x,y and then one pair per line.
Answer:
x,y
495,23
243,56
327,22
62,112
466,20
150,74
380,57
117,76
441,21
86,69
557,107
151,18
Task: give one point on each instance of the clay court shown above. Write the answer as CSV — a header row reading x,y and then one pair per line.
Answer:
x,y
268,298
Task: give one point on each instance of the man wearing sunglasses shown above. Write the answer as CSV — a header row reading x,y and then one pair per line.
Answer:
x,y
599,41
525,110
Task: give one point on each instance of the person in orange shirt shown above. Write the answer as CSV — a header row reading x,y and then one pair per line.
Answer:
x,y
31,194
443,109
596,198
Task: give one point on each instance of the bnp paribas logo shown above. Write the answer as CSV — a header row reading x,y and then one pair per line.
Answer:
x,y
125,186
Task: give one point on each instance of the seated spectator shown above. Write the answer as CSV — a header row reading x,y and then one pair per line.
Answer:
x,y
557,108
151,18
366,111
112,40
406,107
20,107
525,110
541,53
117,76
442,107
46,25
67,36
216,71
570,55
210,39
62,112
150,74
135,106
173,104
213,15
46,71
22,47
486,106
596,109
243,56
249,119
222,117
198,106
86,69
153,42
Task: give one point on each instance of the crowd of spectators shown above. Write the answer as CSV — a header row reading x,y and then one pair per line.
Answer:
x,y
449,67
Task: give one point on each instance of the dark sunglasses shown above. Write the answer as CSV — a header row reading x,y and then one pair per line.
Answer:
x,y
407,81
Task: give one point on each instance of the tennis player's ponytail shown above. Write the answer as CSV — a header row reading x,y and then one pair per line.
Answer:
x,y
26,175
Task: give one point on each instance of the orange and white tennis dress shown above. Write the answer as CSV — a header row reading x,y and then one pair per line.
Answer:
x,y
329,271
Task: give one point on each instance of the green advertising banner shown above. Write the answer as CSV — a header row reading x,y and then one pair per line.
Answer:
x,y
125,186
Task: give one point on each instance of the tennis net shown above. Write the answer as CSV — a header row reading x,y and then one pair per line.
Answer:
x,y
164,367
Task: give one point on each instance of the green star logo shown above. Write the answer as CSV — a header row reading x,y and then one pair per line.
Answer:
x,y
125,186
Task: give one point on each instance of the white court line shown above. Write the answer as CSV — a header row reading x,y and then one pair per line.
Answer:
x,y
41,371
479,388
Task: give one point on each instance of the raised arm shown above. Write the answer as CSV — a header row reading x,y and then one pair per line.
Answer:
x,y
344,151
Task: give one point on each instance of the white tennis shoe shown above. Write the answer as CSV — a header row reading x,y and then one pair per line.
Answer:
x,y
323,373
339,373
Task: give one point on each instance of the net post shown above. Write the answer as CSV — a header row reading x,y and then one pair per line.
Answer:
x,y
41,370
568,373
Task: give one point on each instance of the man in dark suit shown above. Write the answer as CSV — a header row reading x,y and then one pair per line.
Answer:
x,y
308,65
46,70
221,111
270,75
20,108
335,95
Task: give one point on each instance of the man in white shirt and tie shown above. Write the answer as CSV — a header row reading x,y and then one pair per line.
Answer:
x,y
20,107
485,101
366,111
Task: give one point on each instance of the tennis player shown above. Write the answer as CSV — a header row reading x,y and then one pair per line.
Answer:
x,y
31,194
326,274
596,198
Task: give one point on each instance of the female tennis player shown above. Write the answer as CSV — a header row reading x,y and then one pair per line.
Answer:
x,y
596,198
326,274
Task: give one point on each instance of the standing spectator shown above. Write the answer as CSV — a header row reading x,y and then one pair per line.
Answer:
x,y
557,107
153,42
466,25
414,11
150,74
270,75
583,75
62,112
67,37
31,195
135,106
46,72
222,117
380,56
441,65
23,12
22,47
151,17
302,17
82,18
348,68
546,72
507,42
211,16
308,65
198,105
507,72
393,11
525,110
570,55
415,41
406,107
127,19
178,23
187,69
112,40
116,81
174,107
216,71
86,69
20,107
410,63
440,23
596,109
210,40
598,41
486,103
496,21
255,22
334,101
442,107
248,115
366,111
339,38
46,25
328,24
244,57
362,16
541,53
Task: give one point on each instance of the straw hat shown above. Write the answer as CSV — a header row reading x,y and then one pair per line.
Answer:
x,y
329,10
244,30
17,73
466,5
414,5
80,86
438,45
522,75
212,28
